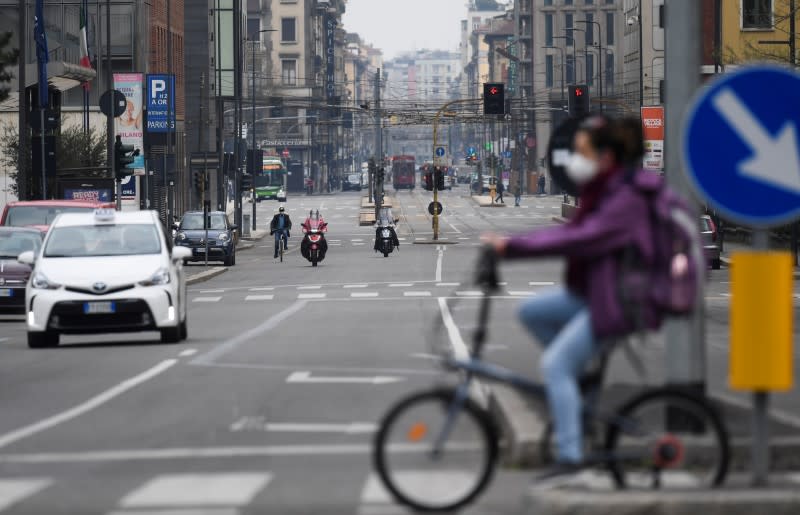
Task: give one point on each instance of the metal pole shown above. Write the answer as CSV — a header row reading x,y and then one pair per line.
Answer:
x,y
23,187
237,84
760,421
253,131
44,163
641,59
686,353
110,116
170,130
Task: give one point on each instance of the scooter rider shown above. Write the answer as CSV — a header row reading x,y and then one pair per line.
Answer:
x,y
281,224
314,219
385,221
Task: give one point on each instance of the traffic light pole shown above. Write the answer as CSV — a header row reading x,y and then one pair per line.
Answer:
x,y
435,144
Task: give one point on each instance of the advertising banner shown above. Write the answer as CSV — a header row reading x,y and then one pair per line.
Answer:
x,y
653,130
160,103
129,125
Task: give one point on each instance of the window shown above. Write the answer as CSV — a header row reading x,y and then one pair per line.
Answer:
x,y
288,30
590,69
548,71
548,2
548,29
567,2
589,29
609,62
609,29
570,69
589,2
756,14
288,72
568,25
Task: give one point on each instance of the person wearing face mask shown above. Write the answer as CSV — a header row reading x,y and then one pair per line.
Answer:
x,y
569,321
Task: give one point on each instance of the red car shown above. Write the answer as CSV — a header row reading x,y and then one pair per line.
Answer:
x,y
13,275
41,213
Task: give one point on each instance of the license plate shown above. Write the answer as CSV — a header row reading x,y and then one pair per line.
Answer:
x,y
99,308
6,292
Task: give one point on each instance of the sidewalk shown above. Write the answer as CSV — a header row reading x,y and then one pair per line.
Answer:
x,y
486,201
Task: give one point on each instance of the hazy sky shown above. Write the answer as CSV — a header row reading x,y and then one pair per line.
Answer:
x,y
395,26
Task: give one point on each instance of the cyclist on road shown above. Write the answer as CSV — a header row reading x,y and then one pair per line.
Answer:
x,y
280,225
569,321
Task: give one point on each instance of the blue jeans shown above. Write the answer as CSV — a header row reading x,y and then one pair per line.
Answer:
x,y
561,321
278,234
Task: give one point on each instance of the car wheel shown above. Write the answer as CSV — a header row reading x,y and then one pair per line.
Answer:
x,y
43,339
716,263
184,328
228,261
171,334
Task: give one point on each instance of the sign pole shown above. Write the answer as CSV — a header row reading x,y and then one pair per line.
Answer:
x,y
759,444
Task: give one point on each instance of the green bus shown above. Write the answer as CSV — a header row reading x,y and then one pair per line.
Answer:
x,y
271,182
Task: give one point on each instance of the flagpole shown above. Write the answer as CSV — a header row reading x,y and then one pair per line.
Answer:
x,y
85,20
42,58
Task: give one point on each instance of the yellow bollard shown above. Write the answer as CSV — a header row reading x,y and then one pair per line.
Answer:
x,y
760,357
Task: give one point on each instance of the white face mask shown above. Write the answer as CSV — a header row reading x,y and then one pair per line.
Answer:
x,y
581,169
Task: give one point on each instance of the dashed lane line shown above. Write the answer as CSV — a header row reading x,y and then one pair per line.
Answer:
x,y
251,298
306,296
206,299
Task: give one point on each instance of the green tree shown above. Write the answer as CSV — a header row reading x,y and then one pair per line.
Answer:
x,y
8,58
74,149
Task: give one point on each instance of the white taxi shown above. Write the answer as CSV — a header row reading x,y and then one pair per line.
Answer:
x,y
105,272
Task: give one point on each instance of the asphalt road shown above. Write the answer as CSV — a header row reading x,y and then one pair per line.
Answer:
x,y
270,405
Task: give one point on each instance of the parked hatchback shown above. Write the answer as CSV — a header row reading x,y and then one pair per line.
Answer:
x,y
13,275
41,213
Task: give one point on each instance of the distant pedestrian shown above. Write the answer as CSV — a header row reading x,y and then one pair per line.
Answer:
x,y
517,193
500,189
309,186
541,183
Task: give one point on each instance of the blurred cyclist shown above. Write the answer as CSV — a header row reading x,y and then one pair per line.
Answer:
x,y
569,321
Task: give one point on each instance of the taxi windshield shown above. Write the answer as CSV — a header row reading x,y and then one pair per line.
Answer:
x,y
12,244
194,222
102,240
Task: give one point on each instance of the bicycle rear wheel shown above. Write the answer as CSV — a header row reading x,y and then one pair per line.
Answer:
x,y
423,474
667,439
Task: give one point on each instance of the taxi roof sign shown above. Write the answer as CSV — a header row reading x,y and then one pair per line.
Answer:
x,y
104,214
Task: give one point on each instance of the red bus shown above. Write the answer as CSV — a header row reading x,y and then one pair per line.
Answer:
x,y
403,172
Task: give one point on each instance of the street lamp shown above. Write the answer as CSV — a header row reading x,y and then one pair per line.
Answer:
x,y
563,65
574,57
253,128
575,47
600,53
637,19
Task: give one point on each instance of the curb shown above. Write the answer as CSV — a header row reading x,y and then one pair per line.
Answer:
x,y
732,500
205,275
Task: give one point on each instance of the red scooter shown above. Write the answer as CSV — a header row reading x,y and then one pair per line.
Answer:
x,y
314,247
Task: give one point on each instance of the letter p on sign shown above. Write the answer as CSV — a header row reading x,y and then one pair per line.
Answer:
x,y
158,86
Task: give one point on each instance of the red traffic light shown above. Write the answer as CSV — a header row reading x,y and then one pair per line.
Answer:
x,y
578,92
493,90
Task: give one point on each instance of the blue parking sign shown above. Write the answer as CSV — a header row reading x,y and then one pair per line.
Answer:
x,y
740,146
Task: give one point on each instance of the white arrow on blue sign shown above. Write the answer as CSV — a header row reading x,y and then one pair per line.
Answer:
x,y
740,145
440,152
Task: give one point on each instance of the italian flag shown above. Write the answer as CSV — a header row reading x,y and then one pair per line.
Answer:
x,y
85,61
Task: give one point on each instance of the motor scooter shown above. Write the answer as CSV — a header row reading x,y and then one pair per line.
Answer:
x,y
314,246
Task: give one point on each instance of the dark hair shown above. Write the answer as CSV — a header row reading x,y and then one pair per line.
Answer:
x,y
622,137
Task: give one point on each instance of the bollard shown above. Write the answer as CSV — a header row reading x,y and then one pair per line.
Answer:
x,y
245,226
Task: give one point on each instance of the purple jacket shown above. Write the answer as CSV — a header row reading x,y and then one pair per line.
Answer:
x,y
593,246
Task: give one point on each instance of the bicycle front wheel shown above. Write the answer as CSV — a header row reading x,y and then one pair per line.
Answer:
x,y
667,439
431,461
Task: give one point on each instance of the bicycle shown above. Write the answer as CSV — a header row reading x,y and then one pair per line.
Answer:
x,y
283,244
645,441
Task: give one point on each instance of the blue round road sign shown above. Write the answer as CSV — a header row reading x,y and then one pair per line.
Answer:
x,y
439,151
740,146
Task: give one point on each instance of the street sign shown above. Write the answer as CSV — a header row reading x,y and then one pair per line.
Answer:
x,y
740,146
160,103
470,150
116,103
435,208
440,151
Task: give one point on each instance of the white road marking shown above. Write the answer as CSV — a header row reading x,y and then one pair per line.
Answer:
x,y
229,345
188,352
454,228
541,283
3,340
363,294
197,490
16,489
85,407
356,239
416,294
206,299
304,296
460,349
211,291
359,244
522,293
469,293
260,423
448,284
306,377
316,287
401,285
439,265
269,288
355,286
424,483
250,298
463,237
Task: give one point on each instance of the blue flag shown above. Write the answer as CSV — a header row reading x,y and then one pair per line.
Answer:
x,y
41,51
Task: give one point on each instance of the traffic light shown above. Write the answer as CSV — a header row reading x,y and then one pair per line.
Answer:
x,y
247,182
438,175
579,102
427,180
122,159
381,174
255,160
199,179
494,98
